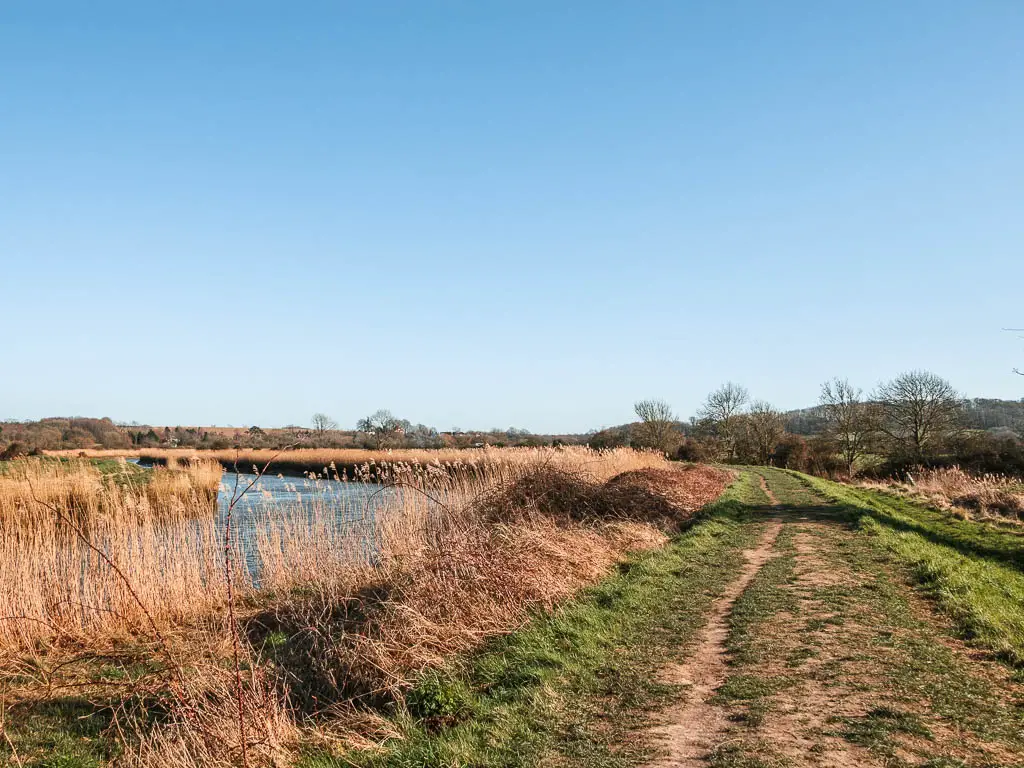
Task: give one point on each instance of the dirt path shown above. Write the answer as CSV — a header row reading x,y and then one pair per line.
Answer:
x,y
768,492
697,726
821,655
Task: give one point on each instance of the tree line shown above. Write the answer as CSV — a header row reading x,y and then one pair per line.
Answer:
x,y
917,418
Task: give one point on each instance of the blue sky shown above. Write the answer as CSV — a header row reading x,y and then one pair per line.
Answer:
x,y
488,214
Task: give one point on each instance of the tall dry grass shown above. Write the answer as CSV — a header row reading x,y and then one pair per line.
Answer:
x,y
364,463
163,534
453,552
79,488
55,587
982,496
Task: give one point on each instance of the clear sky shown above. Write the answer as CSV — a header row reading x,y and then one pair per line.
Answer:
x,y
485,214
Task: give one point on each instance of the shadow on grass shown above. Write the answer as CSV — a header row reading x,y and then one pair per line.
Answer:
x,y
1003,553
68,732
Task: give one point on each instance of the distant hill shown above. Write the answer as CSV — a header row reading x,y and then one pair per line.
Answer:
x,y
805,421
996,415
979,413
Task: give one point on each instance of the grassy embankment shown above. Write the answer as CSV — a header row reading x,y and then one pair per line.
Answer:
x,y
830,652
973,570
577,685
989,497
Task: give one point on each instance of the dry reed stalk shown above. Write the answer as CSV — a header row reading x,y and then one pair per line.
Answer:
x,y
201,729
80,489
321,459
983,496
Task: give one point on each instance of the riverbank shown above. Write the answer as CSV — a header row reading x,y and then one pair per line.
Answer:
x,y
325,643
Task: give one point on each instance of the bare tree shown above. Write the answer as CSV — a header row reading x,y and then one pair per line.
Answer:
x,y
382,426
322,424
657,424
919,410
765,428
722,410
849,419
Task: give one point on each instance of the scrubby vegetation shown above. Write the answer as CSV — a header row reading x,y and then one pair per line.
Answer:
x,y
984,496
916,420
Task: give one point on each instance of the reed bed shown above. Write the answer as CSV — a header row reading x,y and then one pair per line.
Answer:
x,y
982,496
368,463
82,490
344,608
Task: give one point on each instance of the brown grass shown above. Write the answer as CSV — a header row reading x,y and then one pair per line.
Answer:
x,y
78,487
362,463
455,553
986,496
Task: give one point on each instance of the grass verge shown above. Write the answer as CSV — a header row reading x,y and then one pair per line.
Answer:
x,y
971,569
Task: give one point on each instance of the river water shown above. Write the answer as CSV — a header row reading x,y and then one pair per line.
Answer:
x,y
271,510
321,510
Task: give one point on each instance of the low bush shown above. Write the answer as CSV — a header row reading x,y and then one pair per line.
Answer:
x,y
13,451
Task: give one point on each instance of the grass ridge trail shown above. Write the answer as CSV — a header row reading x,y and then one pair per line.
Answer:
x,y
697,725
824,654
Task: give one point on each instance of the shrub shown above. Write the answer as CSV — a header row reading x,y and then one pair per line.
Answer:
x,y
13,451
436,698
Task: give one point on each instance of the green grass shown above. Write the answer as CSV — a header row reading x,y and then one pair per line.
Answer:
x,y
972,570
66,733
580,683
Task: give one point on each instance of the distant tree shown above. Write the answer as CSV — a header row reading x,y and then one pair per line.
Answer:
x,y
382,427
791,452
322,426
849,419
765,427
721,411
919,412
657,424
422,436
609,437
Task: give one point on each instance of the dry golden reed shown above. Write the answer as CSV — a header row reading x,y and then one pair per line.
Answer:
x,y
983,496
459,546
